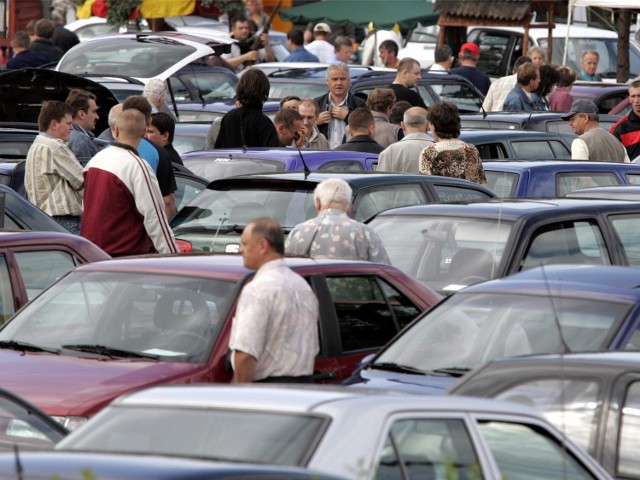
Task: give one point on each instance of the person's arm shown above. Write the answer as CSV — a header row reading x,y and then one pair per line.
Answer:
x,y
244,367
170,206
67,166
266,54
579,150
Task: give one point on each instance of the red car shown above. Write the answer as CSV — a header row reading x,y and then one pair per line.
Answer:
x,y
112,327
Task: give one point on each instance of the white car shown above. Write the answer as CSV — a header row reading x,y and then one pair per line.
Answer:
x,y
350,432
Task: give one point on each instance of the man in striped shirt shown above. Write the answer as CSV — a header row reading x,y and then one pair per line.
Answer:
x,y
53,175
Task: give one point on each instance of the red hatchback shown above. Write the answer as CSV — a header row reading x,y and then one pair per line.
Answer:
x,y
112,327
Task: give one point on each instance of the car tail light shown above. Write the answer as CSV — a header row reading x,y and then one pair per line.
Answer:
x,y
184,246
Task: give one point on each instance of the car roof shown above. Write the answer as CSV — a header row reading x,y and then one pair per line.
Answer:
x,y
624,192
507,134
557,165
278,153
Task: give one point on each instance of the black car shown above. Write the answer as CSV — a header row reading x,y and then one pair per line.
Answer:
x,y
593,397
537,121
519,144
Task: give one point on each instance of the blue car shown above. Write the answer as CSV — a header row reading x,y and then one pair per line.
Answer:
x,y
552,309
555,178
223,163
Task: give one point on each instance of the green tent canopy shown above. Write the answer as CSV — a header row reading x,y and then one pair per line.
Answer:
x,y
383,13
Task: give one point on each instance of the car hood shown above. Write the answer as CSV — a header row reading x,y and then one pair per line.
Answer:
x,y
425,384
69,385
23,91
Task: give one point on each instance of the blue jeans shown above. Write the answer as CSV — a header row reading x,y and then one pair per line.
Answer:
x,y
69,222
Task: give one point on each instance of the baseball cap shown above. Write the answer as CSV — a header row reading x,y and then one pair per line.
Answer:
x,y
472,47
581,105
322,27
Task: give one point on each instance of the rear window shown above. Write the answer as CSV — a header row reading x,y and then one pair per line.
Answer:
x,y
216,168
568,182
502,183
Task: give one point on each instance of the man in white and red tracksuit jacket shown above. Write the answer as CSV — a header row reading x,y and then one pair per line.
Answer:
x,y
123,206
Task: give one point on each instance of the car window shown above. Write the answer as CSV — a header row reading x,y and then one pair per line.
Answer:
x,y
628,462
494,47
531,149
364,316
428,448
187,189
558,126
634,179
427,95
491,151
527,452
283,89
342,166
560,150
628,229
41,269
20,426
579,242
371,201
464,97
568,182
572,405
185,142
502,183
207,86
215,168
7,307
454,193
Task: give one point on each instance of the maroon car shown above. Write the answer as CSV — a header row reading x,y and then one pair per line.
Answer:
x,y
111,327
30,261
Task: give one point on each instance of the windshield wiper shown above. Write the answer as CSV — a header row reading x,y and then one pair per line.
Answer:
x,y
109,351
396,367
452,371
26,347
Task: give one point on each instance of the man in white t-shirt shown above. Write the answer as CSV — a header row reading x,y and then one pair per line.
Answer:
x,y
320,46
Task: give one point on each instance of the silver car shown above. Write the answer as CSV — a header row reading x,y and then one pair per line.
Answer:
x,y
353,433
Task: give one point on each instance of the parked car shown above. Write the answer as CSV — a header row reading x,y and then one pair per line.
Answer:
x,y
81,466
355,433
604,94
213,221
108,328
222,163
450,246
623,108
519,144
188,185
551,309
592,397
555,179
26,427
208,112
16,141
537,121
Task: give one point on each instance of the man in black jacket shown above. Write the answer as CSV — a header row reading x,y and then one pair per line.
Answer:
x,y
362,128
336,105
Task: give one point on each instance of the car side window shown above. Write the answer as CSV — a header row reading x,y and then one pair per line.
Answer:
x,y
571,404
342,166
41,269
7,307
454,193
633,179
437,448
464,97
374,200
492,151
502,183
560,150
629,441
628,229
362,307
527,452
533,150
568,182
579,242
493,49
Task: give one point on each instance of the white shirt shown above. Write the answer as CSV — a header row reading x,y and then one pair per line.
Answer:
x,y
337,127
321,49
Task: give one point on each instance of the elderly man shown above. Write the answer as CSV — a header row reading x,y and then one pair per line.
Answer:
x,y
589,64
333,233
403,156
336,105
155,90
594,143
308,109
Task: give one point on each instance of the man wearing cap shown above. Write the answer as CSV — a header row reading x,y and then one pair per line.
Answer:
x,y
320,46
594,143
627,129
469,56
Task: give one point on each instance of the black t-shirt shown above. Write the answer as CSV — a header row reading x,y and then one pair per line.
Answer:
x,y
166,177
408,95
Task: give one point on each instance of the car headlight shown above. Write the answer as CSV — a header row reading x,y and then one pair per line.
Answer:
x,y
71,423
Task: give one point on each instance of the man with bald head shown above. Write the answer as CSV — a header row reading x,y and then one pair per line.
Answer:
x,y
403,156
123,206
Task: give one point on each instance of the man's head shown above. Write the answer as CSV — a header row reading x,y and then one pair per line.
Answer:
x,y
469,54
590,59
321,31
582,115
84,107
361,122
415,120
443,55
528,77
338,79
262,241
343,48
444,118
634,96
388,51
155,90
333,193
55,119
537,56
291,102
381,100
20,41
130,127
519,61
295,38
253,88
289,126
140,103
397,111
44,29
566,77
308,110
408,72
162,129
254,6
240,29
113,117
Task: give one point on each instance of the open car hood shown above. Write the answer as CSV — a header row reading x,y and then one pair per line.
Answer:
x,y
23,91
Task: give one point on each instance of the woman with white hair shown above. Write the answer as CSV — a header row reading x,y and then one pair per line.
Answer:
x,y
155,91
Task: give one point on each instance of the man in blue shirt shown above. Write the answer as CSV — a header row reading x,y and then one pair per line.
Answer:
x,y
295,42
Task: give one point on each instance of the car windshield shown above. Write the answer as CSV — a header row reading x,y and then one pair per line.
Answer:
x,y
485,326
282,88
126,315
125,56
217,167
445,253
462,95
216,434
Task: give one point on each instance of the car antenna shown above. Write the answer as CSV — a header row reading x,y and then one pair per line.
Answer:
x,y
484,112
304,164
19,469
524,127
